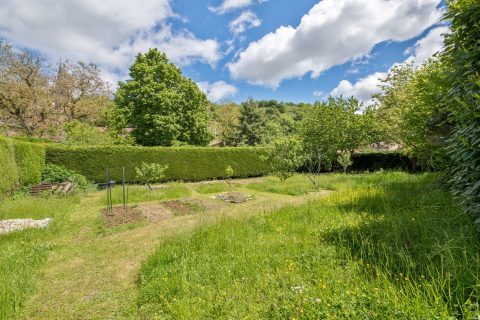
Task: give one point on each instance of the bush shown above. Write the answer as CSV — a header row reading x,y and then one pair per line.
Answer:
x,y
30,160
9,173
53,173
185,163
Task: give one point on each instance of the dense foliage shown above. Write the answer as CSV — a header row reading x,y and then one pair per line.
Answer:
x,y
21,164
30,159
335,126
9,175
463,56
163,107
185,163
54,173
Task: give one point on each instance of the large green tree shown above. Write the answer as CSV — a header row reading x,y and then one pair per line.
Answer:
x,y
413,110
163,107
252,123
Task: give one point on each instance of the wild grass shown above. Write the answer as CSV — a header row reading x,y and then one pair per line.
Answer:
x,y
296,185
217,187
138,194
387,245
23,253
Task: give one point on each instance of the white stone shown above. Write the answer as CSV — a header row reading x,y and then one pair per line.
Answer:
x,y
11,225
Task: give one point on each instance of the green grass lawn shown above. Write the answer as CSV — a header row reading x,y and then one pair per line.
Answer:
x,y
380,246
385,246
23,253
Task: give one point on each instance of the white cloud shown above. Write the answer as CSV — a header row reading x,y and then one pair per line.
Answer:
x,y
429,45
318,93
218,90
246,20
364,88
109,32
231,5
331,33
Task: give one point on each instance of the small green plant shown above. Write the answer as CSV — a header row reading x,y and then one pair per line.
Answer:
x,y
53,173
228,175
151,172
345,160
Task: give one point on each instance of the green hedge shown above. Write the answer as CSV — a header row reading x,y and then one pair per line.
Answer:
x,y
9,172
381,160
185,163
30,159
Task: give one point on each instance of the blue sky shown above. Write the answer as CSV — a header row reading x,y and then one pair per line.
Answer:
x,y
298,51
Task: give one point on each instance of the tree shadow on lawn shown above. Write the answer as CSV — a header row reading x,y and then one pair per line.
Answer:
x,y
414,234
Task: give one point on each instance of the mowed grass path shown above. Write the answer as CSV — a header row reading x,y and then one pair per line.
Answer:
x,y
90,272
387,245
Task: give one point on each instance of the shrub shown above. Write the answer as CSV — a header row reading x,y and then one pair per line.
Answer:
x,y
9,174
30,160
185,163
53,173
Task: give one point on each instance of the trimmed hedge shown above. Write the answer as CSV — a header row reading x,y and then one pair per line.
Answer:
x,y
30,159
8,167
381,160
185,163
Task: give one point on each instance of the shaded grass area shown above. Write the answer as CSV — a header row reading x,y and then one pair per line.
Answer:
x,y
23,253
387,245
137,194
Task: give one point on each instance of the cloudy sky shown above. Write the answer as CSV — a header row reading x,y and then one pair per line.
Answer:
x,y
300,50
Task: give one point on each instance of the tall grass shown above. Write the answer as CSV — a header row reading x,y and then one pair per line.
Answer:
x,y
385,246
23,253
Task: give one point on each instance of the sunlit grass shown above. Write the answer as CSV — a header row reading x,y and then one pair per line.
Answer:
x,y
215,187
23,253
384,246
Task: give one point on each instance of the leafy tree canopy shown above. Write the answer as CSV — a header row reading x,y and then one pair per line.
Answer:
x,y
164,107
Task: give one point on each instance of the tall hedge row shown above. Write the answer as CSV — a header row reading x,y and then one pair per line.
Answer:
x,y
373,161
21,163
185,163
30,159
8,167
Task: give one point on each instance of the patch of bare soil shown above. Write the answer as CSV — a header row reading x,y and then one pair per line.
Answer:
x,y
234,197
119,215
183,207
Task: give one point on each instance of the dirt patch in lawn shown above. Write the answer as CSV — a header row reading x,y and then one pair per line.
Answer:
x,y
120,215
183,207
234,197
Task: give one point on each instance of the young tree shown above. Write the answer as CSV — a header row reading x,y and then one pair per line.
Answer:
x,y
162,106
285,157
151,172
252,123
